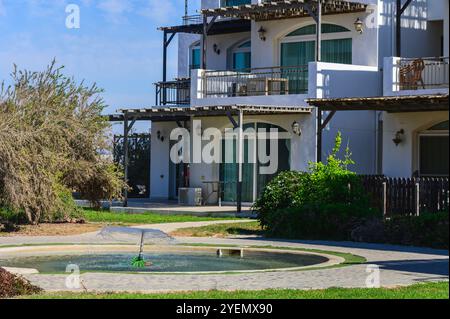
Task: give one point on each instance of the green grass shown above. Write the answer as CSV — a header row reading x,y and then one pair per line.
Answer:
x,y
143,218
221,230
438,290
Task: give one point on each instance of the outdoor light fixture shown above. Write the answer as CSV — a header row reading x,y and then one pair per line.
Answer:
x,y
296,128
398,137
359,26
216,49
262,33
159,136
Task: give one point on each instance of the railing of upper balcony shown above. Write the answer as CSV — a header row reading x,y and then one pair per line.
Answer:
x,y
422,73
256,81
192,19
173,92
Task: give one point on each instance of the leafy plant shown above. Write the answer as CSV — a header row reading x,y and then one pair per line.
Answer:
x,y
326,203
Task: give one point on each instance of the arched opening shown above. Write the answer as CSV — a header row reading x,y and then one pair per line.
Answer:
x,y
254,168
433,150
299,46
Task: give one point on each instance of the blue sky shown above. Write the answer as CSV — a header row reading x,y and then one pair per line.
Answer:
x,y
117,46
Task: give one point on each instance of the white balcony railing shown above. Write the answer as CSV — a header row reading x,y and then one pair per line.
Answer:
x,y
421,73
255,82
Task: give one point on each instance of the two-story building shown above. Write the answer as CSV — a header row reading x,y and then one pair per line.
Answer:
x,y
375,70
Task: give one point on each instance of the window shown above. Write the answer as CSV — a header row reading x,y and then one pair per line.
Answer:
x,y
433,150
195,58
242,56
252,182
299,47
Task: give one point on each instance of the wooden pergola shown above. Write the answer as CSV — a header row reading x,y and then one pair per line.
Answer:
x,y
285,9
181,115
390,104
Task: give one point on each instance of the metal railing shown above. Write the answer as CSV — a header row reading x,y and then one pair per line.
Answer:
x,y
256,81
422,73
175,92
192,19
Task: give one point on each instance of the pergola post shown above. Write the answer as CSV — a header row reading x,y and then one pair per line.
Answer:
x,y
164,75
203,42
398,25
319,135
125,158
240,153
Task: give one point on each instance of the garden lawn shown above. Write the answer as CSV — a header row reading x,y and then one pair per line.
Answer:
x,y
439,290
220,230
92,216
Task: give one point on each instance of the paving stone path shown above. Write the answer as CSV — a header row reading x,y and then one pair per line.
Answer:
x,y
398,265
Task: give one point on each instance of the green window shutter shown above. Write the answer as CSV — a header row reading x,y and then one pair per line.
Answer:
x,y
241,60
195,59
337,51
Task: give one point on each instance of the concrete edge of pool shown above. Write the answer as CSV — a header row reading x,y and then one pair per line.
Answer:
x,y
18,251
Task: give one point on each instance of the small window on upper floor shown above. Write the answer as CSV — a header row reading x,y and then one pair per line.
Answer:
x,y
230,3
242,59
195,58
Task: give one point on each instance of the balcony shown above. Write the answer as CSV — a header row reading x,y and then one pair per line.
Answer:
x,y
255,82
175,92
412,76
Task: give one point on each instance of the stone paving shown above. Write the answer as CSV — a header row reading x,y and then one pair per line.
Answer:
x,y
398,266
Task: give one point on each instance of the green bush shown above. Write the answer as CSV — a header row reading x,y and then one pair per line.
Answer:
x,y
426,230
325,203
282,192
329,221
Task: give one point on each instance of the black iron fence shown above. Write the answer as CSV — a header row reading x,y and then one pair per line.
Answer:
x,y
176,92
423,73
256,81
139,148
407,196
192,19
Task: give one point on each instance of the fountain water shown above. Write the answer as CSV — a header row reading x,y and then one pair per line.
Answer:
x,y
144,235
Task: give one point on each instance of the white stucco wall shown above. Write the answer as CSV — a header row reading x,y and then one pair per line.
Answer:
x,y
159,165
358,128
401,160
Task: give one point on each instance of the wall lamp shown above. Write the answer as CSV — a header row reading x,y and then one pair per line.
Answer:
x,y
399,136
359,26
159,136
296,129
262,34
216,49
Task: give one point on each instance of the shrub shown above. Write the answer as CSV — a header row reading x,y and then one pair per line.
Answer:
x,y
12,285
282,192
325,203
319,221
52,134
427,230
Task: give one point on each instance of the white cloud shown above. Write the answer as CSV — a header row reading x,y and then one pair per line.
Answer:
x,y
115,10
158,11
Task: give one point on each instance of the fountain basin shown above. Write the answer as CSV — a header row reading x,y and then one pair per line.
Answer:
x,y
161,259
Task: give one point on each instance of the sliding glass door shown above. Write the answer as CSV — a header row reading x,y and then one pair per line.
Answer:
x,y
252,181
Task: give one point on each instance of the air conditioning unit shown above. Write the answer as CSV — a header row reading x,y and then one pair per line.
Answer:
x,y
190,196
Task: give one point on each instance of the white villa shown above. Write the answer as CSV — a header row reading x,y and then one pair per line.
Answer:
x,y
378,72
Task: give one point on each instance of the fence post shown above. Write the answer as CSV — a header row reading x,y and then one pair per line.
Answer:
x,y
417,199
384,198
